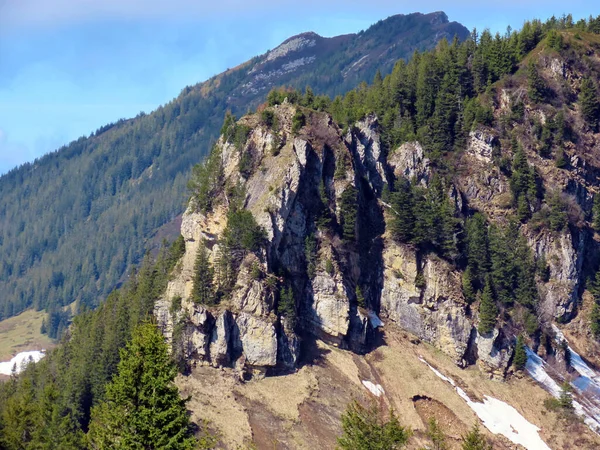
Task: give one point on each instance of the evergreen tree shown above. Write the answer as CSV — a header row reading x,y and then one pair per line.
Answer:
x,y
596,212
520,357
143,408
594,287
589,103
467,285
595,320
537,90
287,304
402,218
437,436
324,214
348,213
565,400
360,298
477,247
474,440
203,291
365,429
488,311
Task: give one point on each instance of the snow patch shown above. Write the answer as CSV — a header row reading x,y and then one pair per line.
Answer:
x,y
375,389
500,418
374,319
20,361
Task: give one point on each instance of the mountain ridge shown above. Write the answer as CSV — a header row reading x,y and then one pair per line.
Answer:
x,y
120,181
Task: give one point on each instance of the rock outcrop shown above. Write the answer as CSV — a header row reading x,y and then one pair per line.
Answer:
x,y
296,185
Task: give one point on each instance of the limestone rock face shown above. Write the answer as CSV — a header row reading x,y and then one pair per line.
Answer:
x,y
294,183
494,351
436,312
331,307
481,145
564,258
258,339
409,161
365,141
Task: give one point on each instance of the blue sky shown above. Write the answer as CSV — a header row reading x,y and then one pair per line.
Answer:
x,y
70,66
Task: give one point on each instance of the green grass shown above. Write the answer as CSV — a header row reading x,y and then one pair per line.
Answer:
x,y
22,333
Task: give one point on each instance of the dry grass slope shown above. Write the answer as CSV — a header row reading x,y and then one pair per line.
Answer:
x,y
302,410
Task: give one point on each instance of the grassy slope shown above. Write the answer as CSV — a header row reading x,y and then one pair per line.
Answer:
x,y
302,410
22,333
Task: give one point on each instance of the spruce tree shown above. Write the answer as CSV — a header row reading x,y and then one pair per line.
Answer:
x,y
520,358
365,429
402,218
594,287
589,104
488,311
437,436
474,440
143,408
537,85
348,213
203,291
467,285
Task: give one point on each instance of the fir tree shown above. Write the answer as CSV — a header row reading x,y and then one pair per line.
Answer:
x,y
474,440
365,429
589,103
488,311
143,408
203,291
520,357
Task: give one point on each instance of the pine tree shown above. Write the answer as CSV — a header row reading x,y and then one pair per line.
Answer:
x,y
365,429
488,311
520,358
474,440
589,103
143,408
203,291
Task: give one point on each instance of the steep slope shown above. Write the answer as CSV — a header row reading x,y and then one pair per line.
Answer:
x,y
73,222
342,230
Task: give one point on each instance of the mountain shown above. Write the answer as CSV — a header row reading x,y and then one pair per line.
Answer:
x,y
427,244
73,222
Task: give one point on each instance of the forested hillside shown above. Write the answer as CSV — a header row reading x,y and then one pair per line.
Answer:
x,y
73,222
437,198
